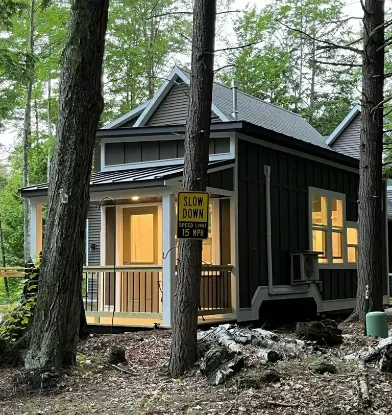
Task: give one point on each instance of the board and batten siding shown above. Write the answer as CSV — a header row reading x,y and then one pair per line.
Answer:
x,y
348,141
291,176
94,234
173,110
124,153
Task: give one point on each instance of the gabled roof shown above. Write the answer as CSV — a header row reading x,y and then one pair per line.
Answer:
x,y
250,109
117,123
343,125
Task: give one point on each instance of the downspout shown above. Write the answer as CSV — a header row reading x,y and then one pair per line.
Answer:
x,y
267,173
234,88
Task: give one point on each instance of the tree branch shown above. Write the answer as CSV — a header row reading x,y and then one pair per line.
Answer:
x,y
380,104
231,65
386,44
351,65
190,13
331,45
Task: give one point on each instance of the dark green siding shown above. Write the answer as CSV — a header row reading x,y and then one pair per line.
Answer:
x,y
291,176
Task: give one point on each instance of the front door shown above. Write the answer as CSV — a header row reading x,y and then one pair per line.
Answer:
x,y
140,248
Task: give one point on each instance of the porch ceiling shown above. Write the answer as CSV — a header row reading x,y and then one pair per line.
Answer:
x,y
125,179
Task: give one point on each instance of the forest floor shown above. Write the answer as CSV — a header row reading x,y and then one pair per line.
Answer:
x,y
140,387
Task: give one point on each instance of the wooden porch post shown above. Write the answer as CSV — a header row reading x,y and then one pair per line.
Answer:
x,y
169,257
36,230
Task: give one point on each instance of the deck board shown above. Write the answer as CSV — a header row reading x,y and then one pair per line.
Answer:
x,y
152,322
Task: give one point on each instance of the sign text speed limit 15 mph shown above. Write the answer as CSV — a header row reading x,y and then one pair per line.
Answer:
x,y
192,218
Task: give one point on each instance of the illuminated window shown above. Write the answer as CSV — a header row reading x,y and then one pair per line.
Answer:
x,y
334,239
352,245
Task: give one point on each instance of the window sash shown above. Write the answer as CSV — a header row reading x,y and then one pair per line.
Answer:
x,y
334,225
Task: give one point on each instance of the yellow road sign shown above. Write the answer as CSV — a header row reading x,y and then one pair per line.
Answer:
x,y
192,222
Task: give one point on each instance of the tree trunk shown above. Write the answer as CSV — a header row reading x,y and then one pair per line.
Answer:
x,y
3,261
57,319
183,349
370,266
26,140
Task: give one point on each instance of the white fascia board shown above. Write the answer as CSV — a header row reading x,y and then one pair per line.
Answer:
x,y
163,91
126,117
342,126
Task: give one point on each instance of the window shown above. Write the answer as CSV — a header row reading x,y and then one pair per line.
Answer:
x,y
352,244
335,239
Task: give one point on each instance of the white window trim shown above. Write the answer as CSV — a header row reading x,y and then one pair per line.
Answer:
x,y
312,191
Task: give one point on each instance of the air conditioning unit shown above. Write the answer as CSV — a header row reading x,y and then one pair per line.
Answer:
x,y
304,267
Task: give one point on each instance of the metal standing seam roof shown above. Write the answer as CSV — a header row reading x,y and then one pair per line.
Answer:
x,y
133,175
266,115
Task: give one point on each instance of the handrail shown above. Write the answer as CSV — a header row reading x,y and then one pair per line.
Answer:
x,y
208,267
124,268
12,272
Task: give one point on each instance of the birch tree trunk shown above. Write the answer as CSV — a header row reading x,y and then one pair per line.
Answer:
x,y
57,319
370,267
183,348
26,139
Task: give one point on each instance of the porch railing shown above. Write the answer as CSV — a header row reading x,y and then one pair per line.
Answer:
x,y
132,291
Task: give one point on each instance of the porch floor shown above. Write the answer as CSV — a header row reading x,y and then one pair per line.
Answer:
x,y
151,322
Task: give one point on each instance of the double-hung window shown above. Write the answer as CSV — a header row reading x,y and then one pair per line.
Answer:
x,y
335,239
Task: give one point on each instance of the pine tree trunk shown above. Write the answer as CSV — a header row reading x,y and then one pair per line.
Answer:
x,y
183,349
26,139
370,266
57,320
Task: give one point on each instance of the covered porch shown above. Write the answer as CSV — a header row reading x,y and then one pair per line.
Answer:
x,y
131,249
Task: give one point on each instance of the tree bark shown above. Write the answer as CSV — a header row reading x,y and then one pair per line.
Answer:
x,y
183,349
57,319
26,139
370,258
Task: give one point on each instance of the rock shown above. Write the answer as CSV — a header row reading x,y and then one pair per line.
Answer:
x,y
215,357
323,367
325,332
248,383
270,376
116,355
226,371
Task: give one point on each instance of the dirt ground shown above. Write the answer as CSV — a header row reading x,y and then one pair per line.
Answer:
x,y
95,387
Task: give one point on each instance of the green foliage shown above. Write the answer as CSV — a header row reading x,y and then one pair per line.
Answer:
x,y
282,64
17,319
139,49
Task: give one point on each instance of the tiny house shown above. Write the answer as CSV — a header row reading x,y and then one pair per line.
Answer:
x,y
283,212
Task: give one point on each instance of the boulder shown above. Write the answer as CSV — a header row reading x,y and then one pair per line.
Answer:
x,y
323,367
324,333
270,376
116,355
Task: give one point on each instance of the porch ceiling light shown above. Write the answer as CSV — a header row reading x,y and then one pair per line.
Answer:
x,y
135,198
